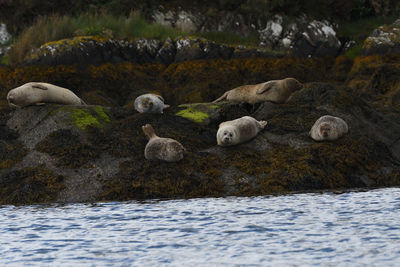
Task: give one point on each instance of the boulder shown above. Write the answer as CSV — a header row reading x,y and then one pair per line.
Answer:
x,y
4,38
302,37
92,153
383,40
86,50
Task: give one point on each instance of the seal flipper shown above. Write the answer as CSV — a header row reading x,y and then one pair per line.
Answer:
x,y
262,124
221,97
40,104
166,106
39,86
267,86
160,97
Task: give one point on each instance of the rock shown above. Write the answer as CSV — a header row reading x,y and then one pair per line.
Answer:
x,y
183,20
57,153
4,35
188,22
301,38
98,155
85,50
272,34
383,40
4,38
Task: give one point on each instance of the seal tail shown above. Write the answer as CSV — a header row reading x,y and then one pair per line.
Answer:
x,y
148,131
263,124
221,97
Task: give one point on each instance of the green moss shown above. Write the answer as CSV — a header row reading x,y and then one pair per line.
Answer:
x,y
5,59
82,117
192,114
103,115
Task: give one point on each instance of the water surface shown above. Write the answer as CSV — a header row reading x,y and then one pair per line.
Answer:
x,y
349,229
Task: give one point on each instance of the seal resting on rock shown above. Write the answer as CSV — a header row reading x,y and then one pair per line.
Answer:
x,y
277,91
328,128
38,93
165,149
238,131
150,103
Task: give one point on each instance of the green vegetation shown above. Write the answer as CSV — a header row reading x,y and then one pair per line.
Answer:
x,y
53,28
37,22
5,59
194,115
83,118
231,38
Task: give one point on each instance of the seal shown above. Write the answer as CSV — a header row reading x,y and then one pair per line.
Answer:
x,y
38,93
328,128
277,91
150,103
158,148
238,131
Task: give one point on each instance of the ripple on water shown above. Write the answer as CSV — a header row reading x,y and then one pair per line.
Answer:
x,y
354,228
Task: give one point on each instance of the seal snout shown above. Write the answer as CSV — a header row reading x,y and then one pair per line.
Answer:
x,y
10,99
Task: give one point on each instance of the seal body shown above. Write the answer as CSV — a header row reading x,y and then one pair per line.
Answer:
x,y
38,93
328,128
277,91
238,131
150,103
158,148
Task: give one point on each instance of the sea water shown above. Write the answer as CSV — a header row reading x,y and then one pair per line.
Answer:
x,y
324,229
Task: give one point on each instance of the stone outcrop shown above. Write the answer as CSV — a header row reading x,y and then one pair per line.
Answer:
x,y
383,40
4,38
86,50
55,153
69,154
301,37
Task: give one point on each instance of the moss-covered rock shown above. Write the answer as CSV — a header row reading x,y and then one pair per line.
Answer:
x,y
91,153
383,40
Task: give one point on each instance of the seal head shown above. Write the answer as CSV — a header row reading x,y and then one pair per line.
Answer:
x,y
227,136
328,128
238,131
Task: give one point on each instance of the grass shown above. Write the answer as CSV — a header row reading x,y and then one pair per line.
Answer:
x,y
231,38
56,27
53,28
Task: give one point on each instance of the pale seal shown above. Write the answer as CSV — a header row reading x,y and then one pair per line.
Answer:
x,y
158,148
277,91
328,128
238,131
150,103
38,93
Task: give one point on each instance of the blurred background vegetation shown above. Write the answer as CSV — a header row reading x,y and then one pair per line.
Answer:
x,y
35,22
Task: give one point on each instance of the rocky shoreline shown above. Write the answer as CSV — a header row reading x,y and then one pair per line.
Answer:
x,y
57,153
